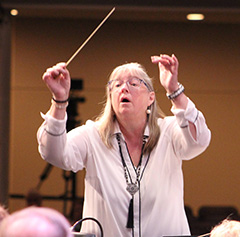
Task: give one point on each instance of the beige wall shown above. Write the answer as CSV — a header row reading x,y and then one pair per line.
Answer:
x,y
209,69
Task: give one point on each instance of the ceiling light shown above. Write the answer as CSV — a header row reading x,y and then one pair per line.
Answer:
x,y
195,17
14,12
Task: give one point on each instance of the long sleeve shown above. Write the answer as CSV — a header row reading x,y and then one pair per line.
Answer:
x,y
185,145
58,147
51,137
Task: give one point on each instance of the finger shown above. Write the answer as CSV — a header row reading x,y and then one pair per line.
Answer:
x,y
46,76
175,59
65,73
162,61
52,72
165,56
62,65
167,60
56,71
155,59
62,69
58,68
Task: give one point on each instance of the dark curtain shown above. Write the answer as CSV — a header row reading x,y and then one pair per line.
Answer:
x,y
5,44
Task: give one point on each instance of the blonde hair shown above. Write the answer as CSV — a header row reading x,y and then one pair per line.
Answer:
x,y
228,228
107,117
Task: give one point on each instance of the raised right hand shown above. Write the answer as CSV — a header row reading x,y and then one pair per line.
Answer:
x,y
58,81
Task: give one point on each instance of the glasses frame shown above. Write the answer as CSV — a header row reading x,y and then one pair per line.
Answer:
x,y
127,82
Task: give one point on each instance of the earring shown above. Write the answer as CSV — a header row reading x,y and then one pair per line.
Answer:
x,y
148,111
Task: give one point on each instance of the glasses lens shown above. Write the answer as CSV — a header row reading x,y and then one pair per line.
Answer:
x,y
134,82
117,83
114,84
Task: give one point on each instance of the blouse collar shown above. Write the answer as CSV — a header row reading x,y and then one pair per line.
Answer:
x,y
118,131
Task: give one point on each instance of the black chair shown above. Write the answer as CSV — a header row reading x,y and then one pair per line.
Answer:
x,y
217,213
210,216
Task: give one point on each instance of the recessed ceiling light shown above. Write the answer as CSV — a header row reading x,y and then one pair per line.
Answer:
x,y
195,17
14,12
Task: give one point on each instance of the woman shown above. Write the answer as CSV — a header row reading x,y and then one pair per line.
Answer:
x,y
132,155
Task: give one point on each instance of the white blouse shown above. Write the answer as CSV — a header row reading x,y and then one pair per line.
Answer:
x,y
158,205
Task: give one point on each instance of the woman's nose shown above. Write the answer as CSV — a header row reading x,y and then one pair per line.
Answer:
x,y
125,86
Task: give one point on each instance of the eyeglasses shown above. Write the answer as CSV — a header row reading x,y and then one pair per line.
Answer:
x,y
132,83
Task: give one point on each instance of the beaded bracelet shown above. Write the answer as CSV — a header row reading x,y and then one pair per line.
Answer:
x,y
176,93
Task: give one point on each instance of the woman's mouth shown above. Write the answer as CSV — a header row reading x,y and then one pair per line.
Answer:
x,y
125,100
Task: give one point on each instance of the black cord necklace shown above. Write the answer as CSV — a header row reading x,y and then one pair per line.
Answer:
x,y
132,188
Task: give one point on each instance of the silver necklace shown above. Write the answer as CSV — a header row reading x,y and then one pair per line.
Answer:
x,y
132,188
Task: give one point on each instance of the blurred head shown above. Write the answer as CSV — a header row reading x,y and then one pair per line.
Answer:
x,y
35,222
228,228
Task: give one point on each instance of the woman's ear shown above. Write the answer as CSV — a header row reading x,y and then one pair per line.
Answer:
x,y
151,97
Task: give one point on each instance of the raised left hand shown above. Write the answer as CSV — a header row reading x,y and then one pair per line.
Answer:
x,y
168,71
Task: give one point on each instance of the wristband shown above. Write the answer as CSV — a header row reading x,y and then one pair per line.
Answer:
x,y
60,101
176,93
61,105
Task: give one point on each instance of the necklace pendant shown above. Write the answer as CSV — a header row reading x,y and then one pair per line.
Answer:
x,y
132,188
